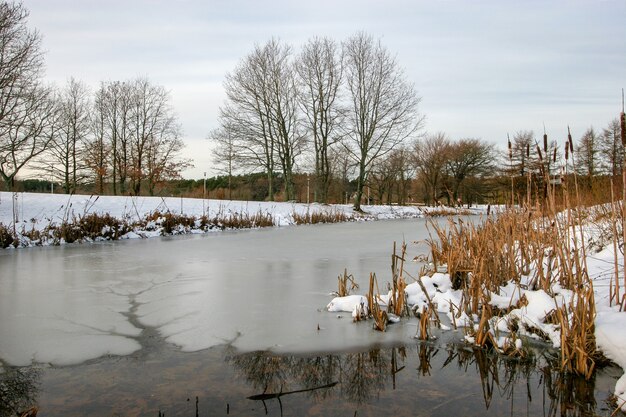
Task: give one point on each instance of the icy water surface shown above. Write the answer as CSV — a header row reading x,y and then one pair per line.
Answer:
x,y
257,290
234,324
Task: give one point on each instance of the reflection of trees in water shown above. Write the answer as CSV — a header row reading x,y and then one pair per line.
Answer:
x,y
18,389
362,375
359,374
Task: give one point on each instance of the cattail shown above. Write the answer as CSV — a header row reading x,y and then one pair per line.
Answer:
x,y
545,142
623,126
528,150
570,141
554,156
510,148
566,151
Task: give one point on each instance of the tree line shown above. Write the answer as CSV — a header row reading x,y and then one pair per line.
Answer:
x,y
121,138
328,106
344,112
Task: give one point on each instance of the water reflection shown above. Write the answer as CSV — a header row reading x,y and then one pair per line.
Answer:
x,y
18,390
528,386
426,379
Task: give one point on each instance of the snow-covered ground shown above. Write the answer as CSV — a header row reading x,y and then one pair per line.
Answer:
x,y
28,211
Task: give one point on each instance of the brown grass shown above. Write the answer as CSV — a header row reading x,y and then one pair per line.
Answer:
x,y
333,216
380,316
541,244
345,284
397,302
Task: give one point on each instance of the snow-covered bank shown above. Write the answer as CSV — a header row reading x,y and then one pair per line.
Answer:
x,y
40,212
539,303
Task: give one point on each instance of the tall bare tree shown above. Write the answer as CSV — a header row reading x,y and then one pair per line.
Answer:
x,y
162,155
588,155
320,71
225,153
283,111
245,117
113,108
611,148
382,105
466,158
430,155
27,110
261,113
65,160
98,150
149,118
28,131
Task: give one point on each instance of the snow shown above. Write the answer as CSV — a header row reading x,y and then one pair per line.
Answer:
x,y
36,211
348,303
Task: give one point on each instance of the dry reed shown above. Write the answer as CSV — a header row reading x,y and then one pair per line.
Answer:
x,y
316,217
345,284
536,246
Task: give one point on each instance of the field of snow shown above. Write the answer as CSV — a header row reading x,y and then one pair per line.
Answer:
x,y
37,211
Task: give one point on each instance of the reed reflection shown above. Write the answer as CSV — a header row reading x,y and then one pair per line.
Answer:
x,y
532,384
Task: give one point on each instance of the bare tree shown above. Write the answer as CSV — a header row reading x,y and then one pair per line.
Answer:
x,y
523,158
391,175
261,113
611,148
588,155
27,110
319,69
114,106
162,157
382,105
430,155
98,150
65,159
467,158
245,115
283,111
27,132
149,117
225,154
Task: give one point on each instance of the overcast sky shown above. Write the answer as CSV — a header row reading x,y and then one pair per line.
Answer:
x,y
482,68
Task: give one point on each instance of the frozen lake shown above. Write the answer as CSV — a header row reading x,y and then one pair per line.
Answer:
x,y
234,323
258,290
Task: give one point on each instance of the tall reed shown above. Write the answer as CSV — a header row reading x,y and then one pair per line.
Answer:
x,y
536,246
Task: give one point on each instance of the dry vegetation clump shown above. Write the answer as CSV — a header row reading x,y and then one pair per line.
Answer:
x,y
345,284
333,216
170,222
243,220
65,232
6,237
535,252
95,225
446,211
